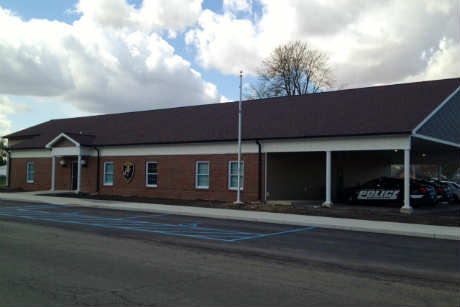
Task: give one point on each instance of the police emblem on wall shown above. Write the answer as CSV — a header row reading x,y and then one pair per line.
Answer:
x,y
128,171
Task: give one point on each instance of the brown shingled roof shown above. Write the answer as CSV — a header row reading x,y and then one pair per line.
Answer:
x,y
392,109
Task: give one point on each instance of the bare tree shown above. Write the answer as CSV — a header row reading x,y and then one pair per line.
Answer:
x,y
292,69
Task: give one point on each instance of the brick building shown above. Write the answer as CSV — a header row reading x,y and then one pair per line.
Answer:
x,y
301,147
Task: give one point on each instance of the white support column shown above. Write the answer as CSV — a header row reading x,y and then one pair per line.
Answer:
x,y
328,202
266,176
79,174
53,173
406,208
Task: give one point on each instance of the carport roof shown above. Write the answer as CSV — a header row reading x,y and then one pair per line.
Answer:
x,y
391,109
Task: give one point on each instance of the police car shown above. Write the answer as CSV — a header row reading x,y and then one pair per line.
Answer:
x,y
443,191
387,190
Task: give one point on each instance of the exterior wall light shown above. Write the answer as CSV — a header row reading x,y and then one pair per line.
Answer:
x,y
62,162
83,162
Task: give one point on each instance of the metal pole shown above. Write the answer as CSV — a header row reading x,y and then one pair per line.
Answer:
x,y
238,197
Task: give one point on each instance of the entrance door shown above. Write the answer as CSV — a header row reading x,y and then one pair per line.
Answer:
x,y
74,175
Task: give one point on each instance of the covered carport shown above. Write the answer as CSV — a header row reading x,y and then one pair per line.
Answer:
x,y
288,178
439,160
321,168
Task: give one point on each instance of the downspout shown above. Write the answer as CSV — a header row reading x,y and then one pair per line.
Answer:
x,y
260,171
8,183
98,167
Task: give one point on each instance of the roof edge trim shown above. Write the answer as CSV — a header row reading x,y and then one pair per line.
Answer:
x,y
379,134
436,140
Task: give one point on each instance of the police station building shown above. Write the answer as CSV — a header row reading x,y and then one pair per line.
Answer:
x,y
294,148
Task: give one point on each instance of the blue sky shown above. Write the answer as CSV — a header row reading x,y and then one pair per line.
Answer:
x,y
63,58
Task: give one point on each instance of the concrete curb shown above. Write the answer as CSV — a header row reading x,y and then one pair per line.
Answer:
x,y
414,230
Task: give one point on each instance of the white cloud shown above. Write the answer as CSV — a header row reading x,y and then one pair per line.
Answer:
x,y
153,15
225,43
443,63
238,5
436,6
8,107
112,59
369,42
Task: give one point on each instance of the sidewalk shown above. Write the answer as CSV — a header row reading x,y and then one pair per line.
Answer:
x,y
416,230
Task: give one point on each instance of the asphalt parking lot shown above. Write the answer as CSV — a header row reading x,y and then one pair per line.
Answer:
x,y
299,243
86,256
163,224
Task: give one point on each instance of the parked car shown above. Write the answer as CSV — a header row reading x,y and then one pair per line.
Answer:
x,y
455,189
443,191
387,190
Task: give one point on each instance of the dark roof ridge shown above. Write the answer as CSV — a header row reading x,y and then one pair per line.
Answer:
x,y
261,99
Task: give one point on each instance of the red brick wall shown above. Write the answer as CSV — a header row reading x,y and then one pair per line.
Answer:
x,y
89,175
176,176
42,177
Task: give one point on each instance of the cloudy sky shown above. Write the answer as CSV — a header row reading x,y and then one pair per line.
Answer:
x,y
65,58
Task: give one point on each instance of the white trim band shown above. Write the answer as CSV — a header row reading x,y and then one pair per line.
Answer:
x,y
385,142
436,140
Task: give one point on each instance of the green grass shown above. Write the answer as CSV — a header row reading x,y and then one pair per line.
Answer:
x,y
2,180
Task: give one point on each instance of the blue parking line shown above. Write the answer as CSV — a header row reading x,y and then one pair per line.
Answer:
x,y
150,215
190,230
274,234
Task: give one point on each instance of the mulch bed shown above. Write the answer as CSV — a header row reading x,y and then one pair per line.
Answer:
x,y
452,219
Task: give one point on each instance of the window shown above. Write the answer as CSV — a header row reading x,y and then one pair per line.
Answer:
x,y
233,175
151,174
30,172
202,175
108,173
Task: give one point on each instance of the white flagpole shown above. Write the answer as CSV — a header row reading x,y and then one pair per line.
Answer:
x,y
238,197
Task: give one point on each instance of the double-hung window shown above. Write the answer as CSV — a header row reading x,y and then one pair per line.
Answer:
x,y
30,172
233,175
108,173
151,174
202,175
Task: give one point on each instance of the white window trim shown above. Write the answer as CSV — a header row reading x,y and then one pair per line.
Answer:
x,y
230,176
113,175
147,175
27,172
196,175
